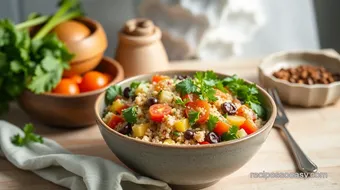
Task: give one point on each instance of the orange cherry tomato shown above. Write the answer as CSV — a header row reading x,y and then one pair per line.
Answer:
x,y
249,126
108,76
190,97
201,106
93,80
76,78
157,78
158,111
204,142
115,120
221,128
66,86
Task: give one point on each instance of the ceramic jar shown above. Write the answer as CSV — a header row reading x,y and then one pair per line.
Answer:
x,y
140,49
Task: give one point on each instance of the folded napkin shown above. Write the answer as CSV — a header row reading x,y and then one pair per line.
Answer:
x,y
53,163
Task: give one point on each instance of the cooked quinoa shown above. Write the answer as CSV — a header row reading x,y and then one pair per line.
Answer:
x,y
184,110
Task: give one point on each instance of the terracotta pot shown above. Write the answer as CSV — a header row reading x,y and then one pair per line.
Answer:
x,y
141,50
69,110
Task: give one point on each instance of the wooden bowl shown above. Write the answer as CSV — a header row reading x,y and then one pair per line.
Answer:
x,y
89,51
69,110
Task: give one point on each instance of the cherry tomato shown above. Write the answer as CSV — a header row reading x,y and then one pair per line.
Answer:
x,y
249,126
157,78
221,128
158,111
66,86
115,120
190,97
108,76
93,80
201,106
204,142
76,78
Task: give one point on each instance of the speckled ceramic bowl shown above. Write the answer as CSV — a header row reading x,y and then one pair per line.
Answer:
x,y
316,95
184,166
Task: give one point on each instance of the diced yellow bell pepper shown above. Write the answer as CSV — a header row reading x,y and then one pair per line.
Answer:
x,y
138,130
182,125
117,105
236,120
169,141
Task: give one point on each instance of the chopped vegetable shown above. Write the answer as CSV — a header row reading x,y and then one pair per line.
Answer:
x,y
115,120
249,126
130,114
200,106
111,93
182,125
117,106
230,135
158,111
165,96
140,129
221,127
158,78
236,120
241,133
28,137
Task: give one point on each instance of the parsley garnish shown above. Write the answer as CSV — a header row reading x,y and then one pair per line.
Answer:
x,y
133,87
130,114
245,92
193,117
179,101
231,134
186,86
111,93
175,133
205,82
212,122
28,137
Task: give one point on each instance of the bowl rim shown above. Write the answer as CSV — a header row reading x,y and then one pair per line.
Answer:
x,y
275,56
204,146
116,79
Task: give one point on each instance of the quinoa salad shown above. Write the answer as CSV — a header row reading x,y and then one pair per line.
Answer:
x,y
185,110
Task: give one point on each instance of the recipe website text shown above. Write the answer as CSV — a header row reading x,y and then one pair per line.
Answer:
x,y
267,175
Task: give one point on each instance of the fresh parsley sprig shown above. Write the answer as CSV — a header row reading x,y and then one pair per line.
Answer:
x,y
29,136
130,114
212,122
193,116
231,134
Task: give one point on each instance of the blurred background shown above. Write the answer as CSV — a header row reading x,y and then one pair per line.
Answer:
x,y
214,29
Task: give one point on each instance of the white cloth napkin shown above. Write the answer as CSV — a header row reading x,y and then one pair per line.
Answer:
x,y
77,172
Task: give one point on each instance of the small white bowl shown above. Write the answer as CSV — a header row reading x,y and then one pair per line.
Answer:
x,y
316,95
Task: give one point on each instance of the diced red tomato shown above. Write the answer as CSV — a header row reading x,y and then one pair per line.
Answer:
x,y
115,120
190,97
201,106
157,78
158,111
249,126
119,110
221,128
204,142
246,112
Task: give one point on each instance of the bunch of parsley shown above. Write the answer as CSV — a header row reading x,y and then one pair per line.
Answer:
x,y
35,63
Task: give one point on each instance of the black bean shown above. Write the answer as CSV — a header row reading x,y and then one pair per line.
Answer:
x,y
152,101
229,108
182,77
126,92
126,129
211,137
189,134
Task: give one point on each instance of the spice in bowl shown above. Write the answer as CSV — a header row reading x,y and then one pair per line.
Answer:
x,y
307,74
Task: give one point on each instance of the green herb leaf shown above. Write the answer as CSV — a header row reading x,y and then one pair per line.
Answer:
x,y
130,114
28,137
133,87
111,93
179,101
231,134
193,117
258,109
175,133
211,124
185,87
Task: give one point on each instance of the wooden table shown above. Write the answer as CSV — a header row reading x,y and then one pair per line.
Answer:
x,y
316,130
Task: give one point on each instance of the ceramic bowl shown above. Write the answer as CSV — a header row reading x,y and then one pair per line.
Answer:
x,y
301,94
184,166
69,111
88,51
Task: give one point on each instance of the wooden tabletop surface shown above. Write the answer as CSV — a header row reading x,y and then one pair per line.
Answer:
x,y
316,130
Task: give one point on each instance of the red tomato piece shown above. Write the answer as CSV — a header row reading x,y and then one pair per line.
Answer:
x,y
190,97
201,106
76,78
115,120
93,80
204,142
221,128
122,108
249,126
157,78
246,112
158,111
67,87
